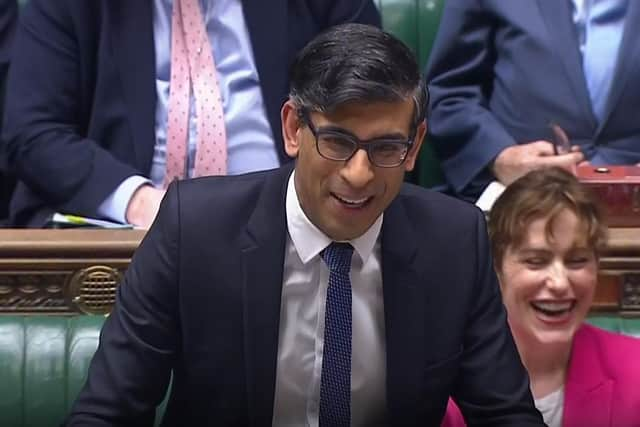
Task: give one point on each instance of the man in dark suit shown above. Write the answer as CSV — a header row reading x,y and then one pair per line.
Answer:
x,y
327,294
86,128
8,20
502,71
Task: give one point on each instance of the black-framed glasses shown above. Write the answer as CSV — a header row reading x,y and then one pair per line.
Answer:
x,y
334,144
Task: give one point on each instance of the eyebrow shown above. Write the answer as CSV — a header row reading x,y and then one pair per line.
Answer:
x,y
530,250
537,251
337,129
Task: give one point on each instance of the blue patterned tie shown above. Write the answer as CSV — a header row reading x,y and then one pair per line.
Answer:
x,y
335,381
604,28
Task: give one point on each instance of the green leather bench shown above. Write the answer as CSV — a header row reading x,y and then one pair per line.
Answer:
x,y
44,362
43,365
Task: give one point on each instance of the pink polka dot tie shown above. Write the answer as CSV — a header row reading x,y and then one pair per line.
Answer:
x,y
193,69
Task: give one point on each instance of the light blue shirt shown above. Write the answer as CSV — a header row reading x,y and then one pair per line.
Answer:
x,y
250,144
600,26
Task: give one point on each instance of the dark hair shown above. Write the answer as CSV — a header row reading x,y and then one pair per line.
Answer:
x,y
543,193
356,63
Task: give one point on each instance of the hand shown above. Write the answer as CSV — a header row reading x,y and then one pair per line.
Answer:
x,y
144,205
517,160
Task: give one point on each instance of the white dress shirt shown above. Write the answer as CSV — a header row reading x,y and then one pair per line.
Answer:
x,y
301,337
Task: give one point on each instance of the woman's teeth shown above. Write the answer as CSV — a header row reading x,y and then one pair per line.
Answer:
x,y
553,308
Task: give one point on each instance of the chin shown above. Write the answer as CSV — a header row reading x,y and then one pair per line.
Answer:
x,y
341,231
340,234
556,337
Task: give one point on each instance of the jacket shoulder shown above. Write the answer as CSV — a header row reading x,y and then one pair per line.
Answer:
x,y
618,353
227,202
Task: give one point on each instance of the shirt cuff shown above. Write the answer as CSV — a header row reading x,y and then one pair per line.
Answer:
x,y
115,205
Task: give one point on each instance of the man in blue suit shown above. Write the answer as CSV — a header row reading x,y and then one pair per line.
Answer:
x,y
328,294
501,72
86,125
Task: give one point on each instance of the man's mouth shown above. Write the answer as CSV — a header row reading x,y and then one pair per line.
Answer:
x,y
352,202
553,308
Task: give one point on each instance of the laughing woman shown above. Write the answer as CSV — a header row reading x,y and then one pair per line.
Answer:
x,y
546,234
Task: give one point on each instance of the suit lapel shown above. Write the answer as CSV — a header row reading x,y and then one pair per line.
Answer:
x,y
628,60
270,57
131,26
404,305
263,247
588,391
564,39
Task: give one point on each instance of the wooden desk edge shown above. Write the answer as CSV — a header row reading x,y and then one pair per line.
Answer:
x,y
35,243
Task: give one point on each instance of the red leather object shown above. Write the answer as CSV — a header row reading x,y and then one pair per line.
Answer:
x,y
618,187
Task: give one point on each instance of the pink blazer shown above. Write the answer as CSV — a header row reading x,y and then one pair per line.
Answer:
x,y
603,382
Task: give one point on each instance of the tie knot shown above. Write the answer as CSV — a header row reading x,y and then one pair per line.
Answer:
x,y
337,256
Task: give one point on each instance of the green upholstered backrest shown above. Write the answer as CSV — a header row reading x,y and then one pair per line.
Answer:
x,y
415,22
43,365
623,325
44,362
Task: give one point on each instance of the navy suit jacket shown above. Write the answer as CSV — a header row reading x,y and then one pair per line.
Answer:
x,y
501,71
202,298
8,19
81,101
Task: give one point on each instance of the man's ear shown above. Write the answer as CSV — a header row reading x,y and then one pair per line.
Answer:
x,y
410,161
290,128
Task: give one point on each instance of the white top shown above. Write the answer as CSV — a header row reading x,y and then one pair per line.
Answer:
x,y
301,337
550,407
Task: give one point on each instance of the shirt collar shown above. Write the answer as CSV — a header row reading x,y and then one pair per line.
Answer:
x,y
309,241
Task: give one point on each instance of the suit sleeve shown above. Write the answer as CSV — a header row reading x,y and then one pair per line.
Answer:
x,y
48,112
492,387
130,371
464,132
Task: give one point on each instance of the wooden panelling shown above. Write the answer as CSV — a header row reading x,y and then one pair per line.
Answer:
x,y
63,271
71,271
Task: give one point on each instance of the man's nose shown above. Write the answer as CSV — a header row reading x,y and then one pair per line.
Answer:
x,y
358,170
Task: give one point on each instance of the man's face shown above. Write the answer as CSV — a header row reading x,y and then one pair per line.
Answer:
x,y
343,198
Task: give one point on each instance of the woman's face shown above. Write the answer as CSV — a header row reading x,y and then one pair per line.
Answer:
x,y
548,282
